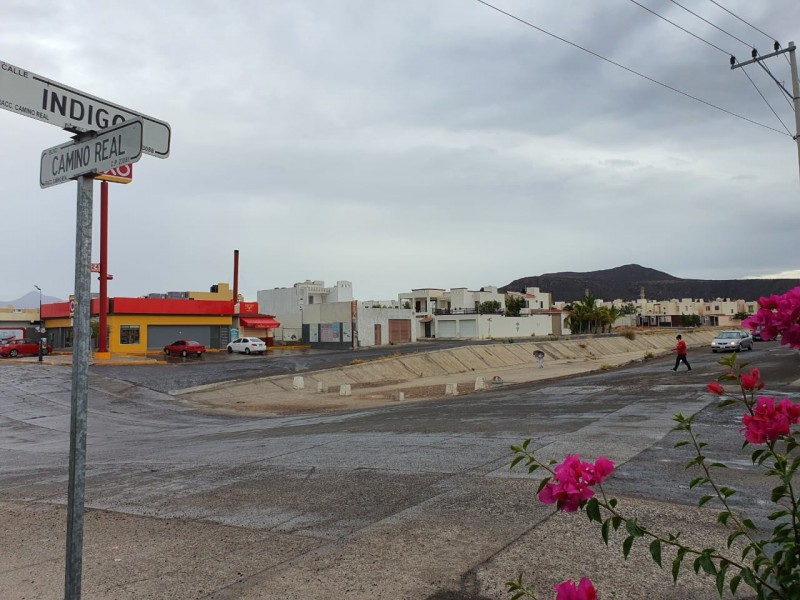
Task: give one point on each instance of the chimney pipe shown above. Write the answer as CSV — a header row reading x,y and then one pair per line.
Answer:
x,y
235,276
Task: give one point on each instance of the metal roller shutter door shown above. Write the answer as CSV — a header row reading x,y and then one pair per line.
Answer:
x,y
159,336
445,329
468,329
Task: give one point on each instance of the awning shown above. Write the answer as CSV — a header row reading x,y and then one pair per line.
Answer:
x,y
259,322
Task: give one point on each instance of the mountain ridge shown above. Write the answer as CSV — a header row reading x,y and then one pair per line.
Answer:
x,y
625,283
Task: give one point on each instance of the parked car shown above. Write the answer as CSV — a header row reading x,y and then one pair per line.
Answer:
x,y
757,334
184,348
247,345
23,347
735,340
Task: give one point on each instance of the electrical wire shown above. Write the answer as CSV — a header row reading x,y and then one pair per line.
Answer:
x,y
712,24
767,102
771,37
652,12
720,49
616,64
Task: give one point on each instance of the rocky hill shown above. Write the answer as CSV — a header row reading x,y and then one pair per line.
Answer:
x,y
627,281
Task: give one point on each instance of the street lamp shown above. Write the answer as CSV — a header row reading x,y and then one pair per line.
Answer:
x,y
40,321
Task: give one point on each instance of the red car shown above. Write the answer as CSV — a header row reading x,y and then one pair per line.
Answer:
x,y
23,347
184,348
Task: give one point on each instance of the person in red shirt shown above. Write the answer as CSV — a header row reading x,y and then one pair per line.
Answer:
x,y
680,350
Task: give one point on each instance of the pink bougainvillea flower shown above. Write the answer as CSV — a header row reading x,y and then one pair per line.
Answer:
x,y
751,381
778,315
570,591
571,484
768,421
597,472
715,388
790,409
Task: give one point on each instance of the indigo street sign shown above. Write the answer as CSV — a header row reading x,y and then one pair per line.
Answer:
x,y
37,97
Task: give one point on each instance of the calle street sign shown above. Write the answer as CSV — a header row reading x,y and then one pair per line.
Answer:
x,y
40,98
112,147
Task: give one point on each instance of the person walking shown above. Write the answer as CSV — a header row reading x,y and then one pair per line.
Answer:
x,y
680,350
539,356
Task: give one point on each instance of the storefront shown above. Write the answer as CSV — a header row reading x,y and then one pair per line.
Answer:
x,y
139,325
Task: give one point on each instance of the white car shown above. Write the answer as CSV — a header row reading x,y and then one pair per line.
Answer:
x,y
247,345
736,340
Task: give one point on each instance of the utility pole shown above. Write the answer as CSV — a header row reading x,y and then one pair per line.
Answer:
x,y
794,95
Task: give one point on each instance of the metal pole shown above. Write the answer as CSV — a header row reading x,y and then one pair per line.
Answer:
x,y
40,321
80,390
102,334
796,94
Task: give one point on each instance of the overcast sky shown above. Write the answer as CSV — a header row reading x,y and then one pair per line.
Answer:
x,y
403,144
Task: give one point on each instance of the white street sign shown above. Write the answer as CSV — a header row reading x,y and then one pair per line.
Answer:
x,y
110,148
40,98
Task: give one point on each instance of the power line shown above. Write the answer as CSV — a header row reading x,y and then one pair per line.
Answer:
x,y
712,24
771,37
767,102
718,48
652,12
616,64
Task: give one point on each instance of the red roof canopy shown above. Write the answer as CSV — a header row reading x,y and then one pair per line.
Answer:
x,y
259,322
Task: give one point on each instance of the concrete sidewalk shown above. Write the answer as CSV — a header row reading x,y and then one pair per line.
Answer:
x,y
413,377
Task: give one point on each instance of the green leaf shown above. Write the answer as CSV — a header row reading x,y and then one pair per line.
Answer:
x,y
655,551
516,461
721,582
676,564
626,546
733,536
679,444
747,575
604,530
697,481
726,492
707,564
723,517
734,584
616,522
543,483
593,510
704,499
748,523
778,493
526,443
696,564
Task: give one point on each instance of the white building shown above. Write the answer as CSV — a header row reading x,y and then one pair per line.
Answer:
x,y
457,314
328,317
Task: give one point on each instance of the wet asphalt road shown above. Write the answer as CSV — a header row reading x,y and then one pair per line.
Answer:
x,y
405,475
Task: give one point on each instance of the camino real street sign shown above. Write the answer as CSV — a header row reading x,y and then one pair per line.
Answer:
x,y
37,97
112,147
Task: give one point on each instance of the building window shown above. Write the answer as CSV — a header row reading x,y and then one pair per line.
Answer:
x,y
716,309
129,334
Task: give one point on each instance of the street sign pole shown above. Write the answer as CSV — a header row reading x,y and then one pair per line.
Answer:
x,y
81,351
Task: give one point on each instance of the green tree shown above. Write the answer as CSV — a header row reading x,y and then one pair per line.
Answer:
x,y
584,315
690,320
741,316
489,307
514,305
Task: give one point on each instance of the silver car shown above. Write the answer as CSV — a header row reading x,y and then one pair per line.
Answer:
x,y
247,345
735,340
